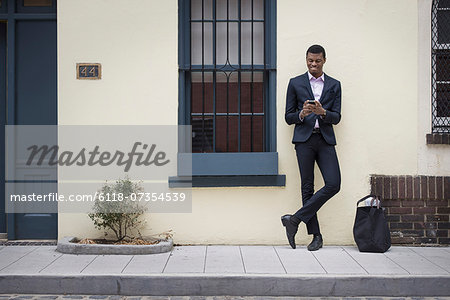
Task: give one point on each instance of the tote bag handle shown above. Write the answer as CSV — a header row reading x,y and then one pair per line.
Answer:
x,y
374,197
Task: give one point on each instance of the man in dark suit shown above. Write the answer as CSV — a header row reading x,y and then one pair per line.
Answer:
x,y
313,104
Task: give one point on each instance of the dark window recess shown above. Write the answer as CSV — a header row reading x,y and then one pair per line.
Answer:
x,y
442,100
440,39
443,25
228,75
443,3
37,3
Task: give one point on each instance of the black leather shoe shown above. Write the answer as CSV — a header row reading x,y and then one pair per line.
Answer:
x,y
316,243
291,228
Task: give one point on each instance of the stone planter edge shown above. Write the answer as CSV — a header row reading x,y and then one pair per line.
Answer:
x,y
67,246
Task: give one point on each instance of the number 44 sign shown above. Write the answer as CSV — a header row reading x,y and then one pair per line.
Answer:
x,y
89,71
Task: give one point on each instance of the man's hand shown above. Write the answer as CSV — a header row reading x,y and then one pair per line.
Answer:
x,y
307,110
317,109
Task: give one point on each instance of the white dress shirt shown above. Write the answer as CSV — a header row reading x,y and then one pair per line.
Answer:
x,y
317,88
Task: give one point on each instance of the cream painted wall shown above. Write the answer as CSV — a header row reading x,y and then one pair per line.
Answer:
x,y
125,38
432,159
371,48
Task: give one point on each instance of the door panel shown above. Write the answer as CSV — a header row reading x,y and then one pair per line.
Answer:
x,y
36,73
36,104
2,124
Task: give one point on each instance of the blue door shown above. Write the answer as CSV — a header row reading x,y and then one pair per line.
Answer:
x,y
29,32
2,123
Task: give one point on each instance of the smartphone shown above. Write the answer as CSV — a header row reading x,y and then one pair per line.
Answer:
x,y
312,102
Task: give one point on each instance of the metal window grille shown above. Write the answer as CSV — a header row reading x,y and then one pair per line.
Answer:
x,y
227,75
440,57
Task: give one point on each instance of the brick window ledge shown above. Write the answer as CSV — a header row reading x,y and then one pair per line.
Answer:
x,y
438,139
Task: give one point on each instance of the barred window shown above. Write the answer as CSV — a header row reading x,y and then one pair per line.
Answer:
x,y
227,70
227,87
440,43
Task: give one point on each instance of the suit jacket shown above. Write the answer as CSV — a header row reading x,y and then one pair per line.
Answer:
x,y
299,90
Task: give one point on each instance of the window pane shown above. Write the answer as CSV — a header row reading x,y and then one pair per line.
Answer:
x,y
444,4
233,92
442,65
258,9
227,134
196,9
221,10
202,92
37,2
443,100
252,92
227,92
258,43
443,26
196,44
252,134
227,52
202,134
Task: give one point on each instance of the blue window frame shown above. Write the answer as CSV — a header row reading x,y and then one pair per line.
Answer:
x,y
227,81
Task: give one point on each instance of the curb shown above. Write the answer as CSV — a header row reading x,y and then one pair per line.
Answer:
x,y
67,246
233,285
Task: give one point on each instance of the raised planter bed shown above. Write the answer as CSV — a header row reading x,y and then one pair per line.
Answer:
x,y
69,245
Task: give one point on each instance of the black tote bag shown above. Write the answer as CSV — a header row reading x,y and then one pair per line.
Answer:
x,y
371,231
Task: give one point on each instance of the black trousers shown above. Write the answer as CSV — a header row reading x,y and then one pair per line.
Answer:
x,y
315,149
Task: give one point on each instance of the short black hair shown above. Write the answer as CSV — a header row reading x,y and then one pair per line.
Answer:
x,y
316,49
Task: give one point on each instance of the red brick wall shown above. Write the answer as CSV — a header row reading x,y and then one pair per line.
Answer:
x,y
417,207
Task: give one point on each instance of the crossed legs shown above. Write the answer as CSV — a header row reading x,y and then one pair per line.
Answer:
x,y
315,149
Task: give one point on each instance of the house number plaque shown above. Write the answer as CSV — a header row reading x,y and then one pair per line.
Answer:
x,y
89,71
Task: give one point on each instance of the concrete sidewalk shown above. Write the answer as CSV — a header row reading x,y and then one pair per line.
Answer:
x,y
229,270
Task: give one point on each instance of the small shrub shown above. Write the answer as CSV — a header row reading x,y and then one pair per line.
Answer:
x,y
114,209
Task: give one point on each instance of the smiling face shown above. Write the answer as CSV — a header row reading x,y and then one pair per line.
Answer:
x,y
315,62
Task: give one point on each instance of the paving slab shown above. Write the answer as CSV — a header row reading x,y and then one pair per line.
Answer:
x,y
186,259
261,259
107,264
68,264
335,260
375,263
147,264
299,260
10,254
224,259
413,262
32,262
438,256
